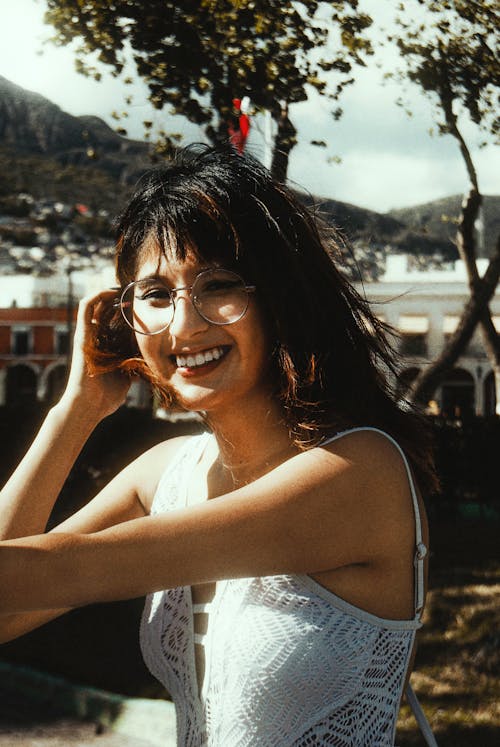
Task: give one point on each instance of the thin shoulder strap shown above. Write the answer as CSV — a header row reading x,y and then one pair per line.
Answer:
x,y
420,547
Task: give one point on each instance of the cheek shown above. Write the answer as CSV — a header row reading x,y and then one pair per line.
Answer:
x,y
143,344
152,349
259,344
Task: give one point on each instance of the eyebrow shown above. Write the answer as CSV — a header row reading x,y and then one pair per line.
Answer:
x,y
159,278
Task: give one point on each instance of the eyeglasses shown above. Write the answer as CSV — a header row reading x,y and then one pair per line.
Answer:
x,y
219,296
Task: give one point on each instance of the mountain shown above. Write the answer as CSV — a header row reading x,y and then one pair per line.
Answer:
x,y
438,218
53,155
31,125
382,230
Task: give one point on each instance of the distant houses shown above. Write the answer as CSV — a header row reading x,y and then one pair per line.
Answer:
x,y
37,319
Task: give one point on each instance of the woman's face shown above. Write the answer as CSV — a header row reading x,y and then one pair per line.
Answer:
x,y
207,366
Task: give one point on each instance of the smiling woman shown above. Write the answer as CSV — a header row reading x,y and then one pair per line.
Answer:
x,y
283,551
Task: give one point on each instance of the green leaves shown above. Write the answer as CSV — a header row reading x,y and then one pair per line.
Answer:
x,y
452,57
198,55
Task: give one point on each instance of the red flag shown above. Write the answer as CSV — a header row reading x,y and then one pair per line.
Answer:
x,y
239,124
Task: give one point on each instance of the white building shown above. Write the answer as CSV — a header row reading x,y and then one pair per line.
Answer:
x,y
32,291
425,307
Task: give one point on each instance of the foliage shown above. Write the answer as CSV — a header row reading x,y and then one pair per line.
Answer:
x,y
451,56
198,55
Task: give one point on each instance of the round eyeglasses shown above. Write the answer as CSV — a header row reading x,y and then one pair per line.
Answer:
x,y
219,296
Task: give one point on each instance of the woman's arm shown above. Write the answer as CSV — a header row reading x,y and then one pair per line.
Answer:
x,y
123,499
319,511
29,496
27,499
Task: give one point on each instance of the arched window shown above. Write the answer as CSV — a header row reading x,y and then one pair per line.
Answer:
x,y
56,381
21,385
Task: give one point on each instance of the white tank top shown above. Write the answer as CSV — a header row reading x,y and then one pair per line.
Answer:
x,y
288,663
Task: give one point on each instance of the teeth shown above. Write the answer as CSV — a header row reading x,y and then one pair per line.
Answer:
x,y
199,359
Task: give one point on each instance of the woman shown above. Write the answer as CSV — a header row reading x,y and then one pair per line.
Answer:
x,y
283,550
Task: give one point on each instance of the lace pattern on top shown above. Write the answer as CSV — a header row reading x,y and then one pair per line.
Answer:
x,y
288,663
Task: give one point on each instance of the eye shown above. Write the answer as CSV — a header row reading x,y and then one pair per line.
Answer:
x,y
156,293
219,284
223,282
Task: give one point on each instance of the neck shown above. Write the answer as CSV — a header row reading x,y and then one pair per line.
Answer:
x,y
252,440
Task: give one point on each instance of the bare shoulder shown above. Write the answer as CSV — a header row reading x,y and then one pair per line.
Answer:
x,y
371,514
371,452
367,472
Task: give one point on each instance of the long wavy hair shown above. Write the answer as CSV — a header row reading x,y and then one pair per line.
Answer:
x,y
332,364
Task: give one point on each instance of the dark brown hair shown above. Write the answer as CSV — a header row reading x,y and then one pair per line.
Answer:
x,y
332,365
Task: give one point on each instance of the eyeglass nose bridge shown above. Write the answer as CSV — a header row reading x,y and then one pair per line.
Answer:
x,y
194,298
173,292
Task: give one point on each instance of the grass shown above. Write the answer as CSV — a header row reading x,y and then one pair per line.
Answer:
x,y
457,668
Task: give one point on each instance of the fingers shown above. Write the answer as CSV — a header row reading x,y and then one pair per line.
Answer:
x,y
91,306
90,311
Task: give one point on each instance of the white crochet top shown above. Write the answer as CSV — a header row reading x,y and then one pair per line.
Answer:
x,y
288,663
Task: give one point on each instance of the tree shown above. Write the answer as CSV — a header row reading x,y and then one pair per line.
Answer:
x,y
451,56
196,56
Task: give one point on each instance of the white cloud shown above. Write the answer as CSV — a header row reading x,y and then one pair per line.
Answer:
x,y
388,160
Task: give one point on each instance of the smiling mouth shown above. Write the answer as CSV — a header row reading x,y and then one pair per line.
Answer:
x,y
201,358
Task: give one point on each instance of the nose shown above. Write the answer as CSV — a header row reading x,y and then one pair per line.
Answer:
x,y
186,320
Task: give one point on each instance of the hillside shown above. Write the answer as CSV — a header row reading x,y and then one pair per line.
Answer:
x,y
31,125
438,219
53,157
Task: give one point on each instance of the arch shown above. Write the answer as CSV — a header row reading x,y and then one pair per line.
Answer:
x,y
21,384
489,395
458,394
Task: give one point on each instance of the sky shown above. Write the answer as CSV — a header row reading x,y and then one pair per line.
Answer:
x,y
387,160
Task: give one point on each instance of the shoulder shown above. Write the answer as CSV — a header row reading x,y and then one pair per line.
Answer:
x,y
152,464
373,462
364,476
369,450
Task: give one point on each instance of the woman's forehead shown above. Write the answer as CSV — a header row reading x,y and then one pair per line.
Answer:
x,y
164,268
155,258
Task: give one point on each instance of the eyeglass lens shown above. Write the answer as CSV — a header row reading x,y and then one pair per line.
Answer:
x,y
220,297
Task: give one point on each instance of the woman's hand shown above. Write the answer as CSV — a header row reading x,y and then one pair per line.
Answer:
x,y
100,394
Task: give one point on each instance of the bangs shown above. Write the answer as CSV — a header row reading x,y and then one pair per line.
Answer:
x,y
203,230
178,227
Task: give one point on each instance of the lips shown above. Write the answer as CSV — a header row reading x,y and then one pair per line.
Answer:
x,y
200,358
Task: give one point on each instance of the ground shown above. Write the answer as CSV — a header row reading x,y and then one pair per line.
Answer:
x,y
457,669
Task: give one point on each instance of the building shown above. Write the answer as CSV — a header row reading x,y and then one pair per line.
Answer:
x,y
425,307
37,320
38,314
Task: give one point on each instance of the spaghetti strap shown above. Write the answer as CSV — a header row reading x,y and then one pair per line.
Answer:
x,y
420,547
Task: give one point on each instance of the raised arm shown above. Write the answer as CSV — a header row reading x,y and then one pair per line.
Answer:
x,y
29,496
27,499
126,497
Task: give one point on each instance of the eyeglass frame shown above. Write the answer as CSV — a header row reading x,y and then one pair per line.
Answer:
x,y
173,292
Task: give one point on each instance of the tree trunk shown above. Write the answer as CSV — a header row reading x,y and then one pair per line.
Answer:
x,y
466,248
426,383
476,311
286,139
